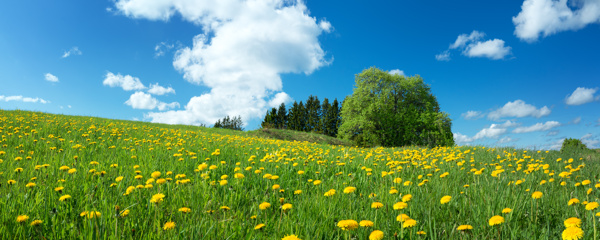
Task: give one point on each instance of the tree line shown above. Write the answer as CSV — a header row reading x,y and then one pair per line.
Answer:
x,y
312,116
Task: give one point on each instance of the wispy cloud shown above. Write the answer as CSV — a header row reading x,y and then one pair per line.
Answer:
x,y
72,51
23,99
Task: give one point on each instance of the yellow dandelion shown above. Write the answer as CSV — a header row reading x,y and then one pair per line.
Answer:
x,y
506,210
259,226
223,182
64,198
30,185
124,213
185,210
572,233
376,235
573,201
317,182
406,198
421,233
169,225
329,193
402,217
157,198
591,206
573,222
155,175
35,222
365,223
347,224
276,186
264,205
400,205
409,223
286,206
445,199
464,227
291,237
496,220
22,218
376,205
349,190
537,195
297,192
119,178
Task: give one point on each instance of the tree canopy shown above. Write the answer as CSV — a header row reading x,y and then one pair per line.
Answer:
x,y
393,110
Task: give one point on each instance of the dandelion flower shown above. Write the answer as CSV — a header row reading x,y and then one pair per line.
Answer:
x,y
376,205
393,191
506,210
464,227
329,193
586,182
225,208
11,182
409,223
496,220
537,195
185,210
365,223
276,186
22,218
317,182
155,175
347,224
402,217
376,235
400,205
445,199
124,213
264,205
573,201
573,222
297,192
35,222
572,233
406,198
349,189
291,237
591,206
157,198
421,233
30,185
259,226
64,198
286,206
169,225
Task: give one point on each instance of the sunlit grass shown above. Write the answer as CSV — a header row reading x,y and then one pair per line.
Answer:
x,y
128,180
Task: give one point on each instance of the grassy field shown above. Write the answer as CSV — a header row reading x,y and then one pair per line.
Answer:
x,y
65,177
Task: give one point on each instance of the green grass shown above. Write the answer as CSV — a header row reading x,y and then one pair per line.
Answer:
x,y
32,139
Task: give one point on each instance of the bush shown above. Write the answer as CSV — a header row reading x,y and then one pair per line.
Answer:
x,y
573,145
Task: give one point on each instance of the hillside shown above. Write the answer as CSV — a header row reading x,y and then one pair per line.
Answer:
x,y
92,178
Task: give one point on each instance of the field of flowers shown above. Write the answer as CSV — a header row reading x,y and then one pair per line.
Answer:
x,y
64,177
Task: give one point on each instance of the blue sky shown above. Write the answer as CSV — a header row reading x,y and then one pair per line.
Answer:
x,y
509,73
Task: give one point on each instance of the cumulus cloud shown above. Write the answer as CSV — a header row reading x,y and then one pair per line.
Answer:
x,y
72,51
461,139
537,127
505,140
590,141
444,56
161,48
51,78
160,90
469,115
494,131
141,100
127,82
518,108
473,45
581,96
397,71
240,56
22,99
547,17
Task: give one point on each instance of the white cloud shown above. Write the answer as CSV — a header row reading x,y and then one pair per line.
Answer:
x,y
160,90
245,48
492,49
473,46
505,140
552,133
141,100
51,78
508,124
279,99
461,139
581,96
22,99
397,71
127,82
469,115
518,108
72,51
494,131
576,121
547,17
537,127
556,145
444,56
590,141
161,48
463,39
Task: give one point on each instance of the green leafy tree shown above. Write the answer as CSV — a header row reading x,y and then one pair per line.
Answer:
x,y
393,110
573,145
